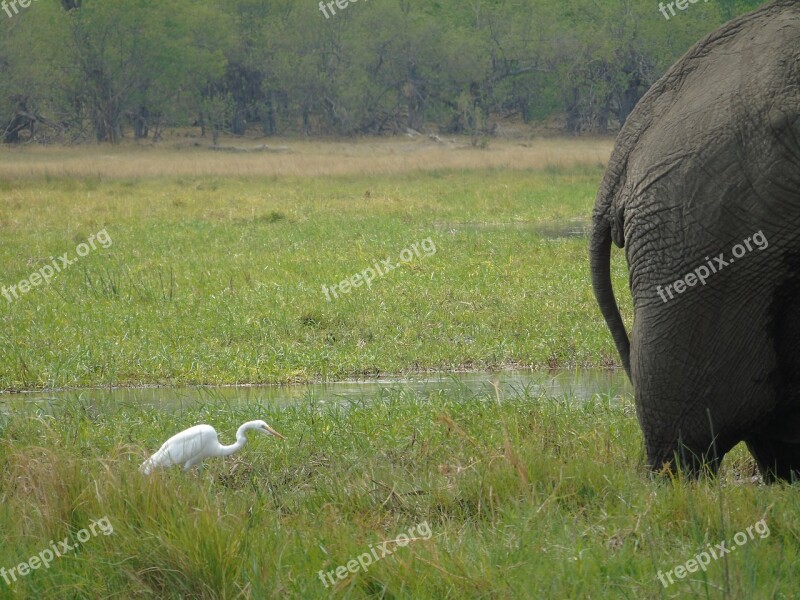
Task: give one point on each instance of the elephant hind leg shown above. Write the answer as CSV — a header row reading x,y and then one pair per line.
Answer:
x,y
776,448
776,460
776,444
692,458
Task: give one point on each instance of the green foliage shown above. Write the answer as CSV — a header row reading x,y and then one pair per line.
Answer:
x,y
374,67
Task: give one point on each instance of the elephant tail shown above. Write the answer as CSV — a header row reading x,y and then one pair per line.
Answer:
x,y
600,266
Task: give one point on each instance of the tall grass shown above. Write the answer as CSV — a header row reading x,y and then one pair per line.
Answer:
x,y
526,497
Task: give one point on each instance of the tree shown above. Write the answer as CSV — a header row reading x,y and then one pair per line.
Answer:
x,y
97,69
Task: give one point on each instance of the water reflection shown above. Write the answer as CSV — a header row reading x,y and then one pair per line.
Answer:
x,y
579,385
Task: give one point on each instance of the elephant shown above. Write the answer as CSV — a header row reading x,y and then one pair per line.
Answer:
x,y
702,190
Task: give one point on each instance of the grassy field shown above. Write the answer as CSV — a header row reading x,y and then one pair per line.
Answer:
x,y
214,280
207,267
522,497
238,157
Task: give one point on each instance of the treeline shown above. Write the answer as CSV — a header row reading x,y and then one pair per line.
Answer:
x,y
73,70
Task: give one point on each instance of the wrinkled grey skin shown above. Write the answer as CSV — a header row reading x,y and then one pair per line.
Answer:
x,y
710,156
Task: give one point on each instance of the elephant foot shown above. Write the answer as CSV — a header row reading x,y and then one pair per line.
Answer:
x,y
689,461
777,459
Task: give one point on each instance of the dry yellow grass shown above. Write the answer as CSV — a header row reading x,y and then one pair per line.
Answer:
x,y
299,157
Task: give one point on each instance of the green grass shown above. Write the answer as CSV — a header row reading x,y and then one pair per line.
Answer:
x,y
525,497
219,280
214,281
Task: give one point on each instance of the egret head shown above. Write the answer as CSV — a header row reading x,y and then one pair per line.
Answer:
x,y
265,428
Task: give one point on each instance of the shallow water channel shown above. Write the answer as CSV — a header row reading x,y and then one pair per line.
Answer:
x,y
574,384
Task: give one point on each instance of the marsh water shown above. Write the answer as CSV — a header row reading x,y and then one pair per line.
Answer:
x,y
580,385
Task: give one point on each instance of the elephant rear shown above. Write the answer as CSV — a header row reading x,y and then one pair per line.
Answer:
x,y
709,158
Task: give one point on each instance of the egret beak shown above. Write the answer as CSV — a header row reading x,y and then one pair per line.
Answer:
x,y
270,431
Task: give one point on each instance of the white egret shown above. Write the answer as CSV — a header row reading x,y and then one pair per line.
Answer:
x,y
191,446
